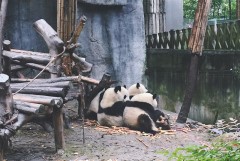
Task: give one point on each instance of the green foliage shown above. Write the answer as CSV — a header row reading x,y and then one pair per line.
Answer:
x,y
220,151
220,9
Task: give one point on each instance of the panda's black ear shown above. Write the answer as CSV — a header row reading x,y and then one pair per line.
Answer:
x,y
125,86
138,85
117,88
154,96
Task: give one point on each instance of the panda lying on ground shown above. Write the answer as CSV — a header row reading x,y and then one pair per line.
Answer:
x,y
94,105
140,114
110,109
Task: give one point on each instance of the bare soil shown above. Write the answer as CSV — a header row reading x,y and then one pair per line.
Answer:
x,y
32,143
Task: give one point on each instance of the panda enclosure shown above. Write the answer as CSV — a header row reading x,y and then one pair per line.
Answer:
x,y
25,100
56,88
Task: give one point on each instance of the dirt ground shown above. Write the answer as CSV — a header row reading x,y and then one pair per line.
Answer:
x,y
32,143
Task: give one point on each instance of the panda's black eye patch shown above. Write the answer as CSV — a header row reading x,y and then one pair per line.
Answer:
x,y
125,97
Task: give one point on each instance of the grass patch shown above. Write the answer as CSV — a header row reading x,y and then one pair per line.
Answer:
x,y
219,151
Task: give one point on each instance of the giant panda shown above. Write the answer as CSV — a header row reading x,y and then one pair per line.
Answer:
x,y
94,105
140,114
136,89
112,106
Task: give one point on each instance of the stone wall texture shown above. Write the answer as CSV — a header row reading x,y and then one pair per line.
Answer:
x,y
113,40
20,17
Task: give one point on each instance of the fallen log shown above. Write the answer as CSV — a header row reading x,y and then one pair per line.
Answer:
x,y
40,99
26,107
48,91
63,84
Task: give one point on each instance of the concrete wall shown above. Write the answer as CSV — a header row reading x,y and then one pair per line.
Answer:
x,y
20,17
217,91
113,40
174,14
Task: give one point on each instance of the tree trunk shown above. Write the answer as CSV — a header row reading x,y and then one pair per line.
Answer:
x,y
191,83
195,44
238,9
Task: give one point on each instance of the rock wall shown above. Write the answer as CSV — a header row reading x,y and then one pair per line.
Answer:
x,y
20,17
113,40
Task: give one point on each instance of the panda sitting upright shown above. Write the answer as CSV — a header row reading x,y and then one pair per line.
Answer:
x,y
136,89
140,114
111,106
94,105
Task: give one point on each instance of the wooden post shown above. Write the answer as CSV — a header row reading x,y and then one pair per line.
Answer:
x,y
58,129
55,46
2,22
6,60
6,108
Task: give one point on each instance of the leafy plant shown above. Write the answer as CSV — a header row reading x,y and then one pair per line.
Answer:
x,y
220,151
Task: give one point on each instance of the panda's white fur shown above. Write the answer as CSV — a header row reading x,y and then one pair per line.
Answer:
x,y
136,89
139,112
112,105
93,107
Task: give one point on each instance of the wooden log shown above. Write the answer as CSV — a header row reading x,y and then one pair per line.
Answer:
x,y
6,60
10,130
78,30
26,52
82,65
27,58
40,99
64,84
16,68
27,107
6,100
58,129
104,83
3,13
54,43
49,91
31,65
75,79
